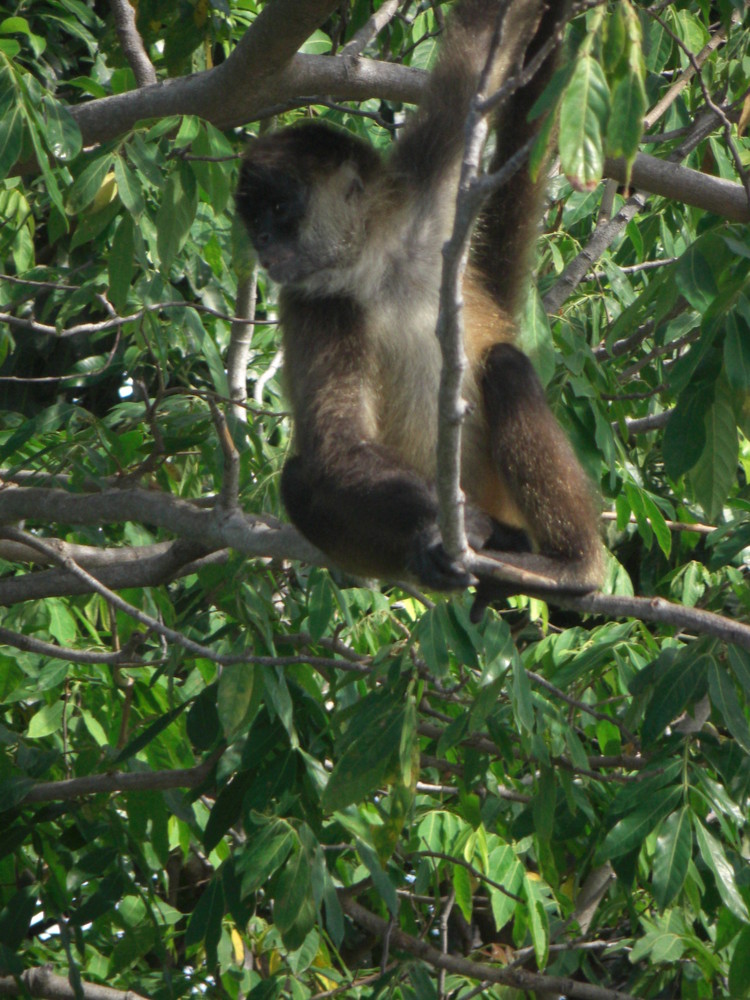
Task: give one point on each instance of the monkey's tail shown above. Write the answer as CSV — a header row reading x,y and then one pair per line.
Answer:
x,y
510,219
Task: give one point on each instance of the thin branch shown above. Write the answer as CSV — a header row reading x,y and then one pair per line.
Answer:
x,y
697,528
132,43
229,496
546,685
453,859
719,112
240,341
116,321
41,648
665,103
604,234
653,422
370,29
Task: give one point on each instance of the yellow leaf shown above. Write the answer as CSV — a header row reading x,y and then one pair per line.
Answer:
x,y
237,947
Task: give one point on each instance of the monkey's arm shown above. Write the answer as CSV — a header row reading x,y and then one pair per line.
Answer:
x,y
431,148
348,494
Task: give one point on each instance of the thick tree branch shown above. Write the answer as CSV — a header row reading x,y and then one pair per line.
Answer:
x,y
679,183
120,781
43,983
248,534
208,96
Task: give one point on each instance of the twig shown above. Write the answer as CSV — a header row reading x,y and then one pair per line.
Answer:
x,y
228,498
439,856
116,321
370,29
699,529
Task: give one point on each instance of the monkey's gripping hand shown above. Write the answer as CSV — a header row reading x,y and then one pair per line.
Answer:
x,y
429,562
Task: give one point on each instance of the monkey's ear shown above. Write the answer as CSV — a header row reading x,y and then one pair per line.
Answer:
x,y
352,182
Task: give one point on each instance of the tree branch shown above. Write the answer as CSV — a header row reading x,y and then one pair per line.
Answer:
x,y
132,43
120,781
679,183
43,983
519,978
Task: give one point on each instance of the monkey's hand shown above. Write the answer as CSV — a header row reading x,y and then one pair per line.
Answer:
x,y
429,562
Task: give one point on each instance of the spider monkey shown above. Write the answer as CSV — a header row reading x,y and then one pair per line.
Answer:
x,y
355,242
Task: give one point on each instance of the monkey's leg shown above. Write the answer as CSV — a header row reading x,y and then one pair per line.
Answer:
x,y
539,466
371,517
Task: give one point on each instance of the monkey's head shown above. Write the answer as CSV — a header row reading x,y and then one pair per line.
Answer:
x,y
302,197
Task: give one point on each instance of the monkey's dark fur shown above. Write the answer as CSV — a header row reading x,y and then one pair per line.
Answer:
x,y
355,243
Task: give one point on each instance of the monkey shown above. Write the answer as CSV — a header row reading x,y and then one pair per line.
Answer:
x,y
354,240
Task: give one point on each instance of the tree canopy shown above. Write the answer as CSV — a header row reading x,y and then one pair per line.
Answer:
x,y
225,768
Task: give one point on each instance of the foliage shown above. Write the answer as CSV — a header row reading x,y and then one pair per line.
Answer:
x,y
326,743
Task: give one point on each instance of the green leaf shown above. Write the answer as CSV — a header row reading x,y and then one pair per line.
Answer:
x,y
672,856
629,833
320,606
520,693
143,739
237,702
739,968
431,633
294,906
462,889
383,885
537,919
543,807
685,434
715,472
676,687
62,136
89,183
724,698
50,179
535,338
736,351
625,124
505,868
176,213
128,187
713,854
120,263
205,921
46,721
583,119
266,850
203,726
362,767
695,279
11,135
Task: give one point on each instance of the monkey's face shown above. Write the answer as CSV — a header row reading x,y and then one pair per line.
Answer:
x,y
303,230
272,210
